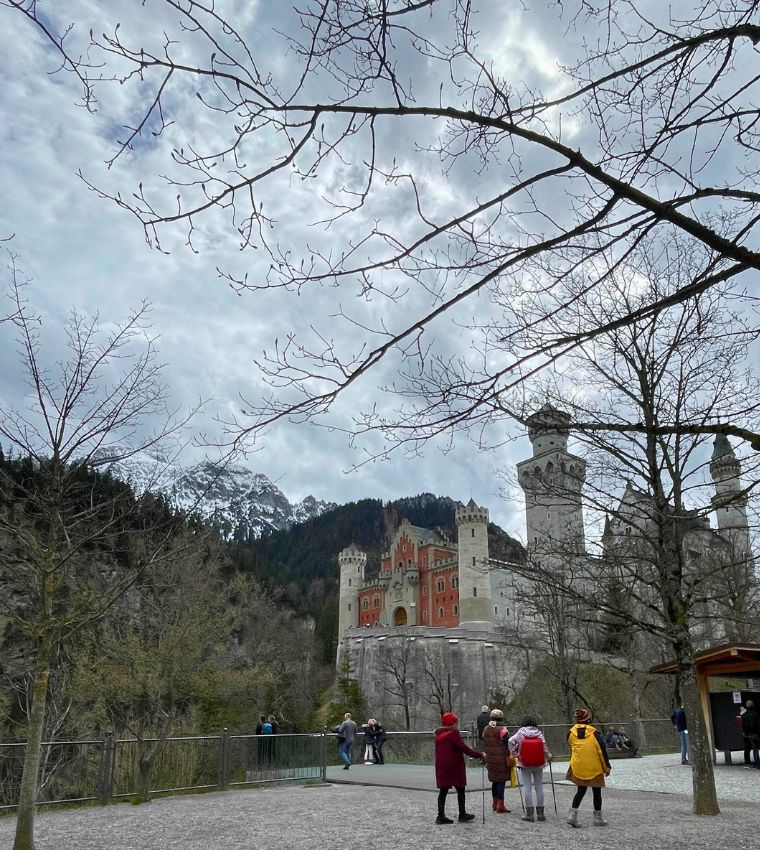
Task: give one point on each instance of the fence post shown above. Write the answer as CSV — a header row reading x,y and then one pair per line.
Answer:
x,y
323,755
223,760
105,768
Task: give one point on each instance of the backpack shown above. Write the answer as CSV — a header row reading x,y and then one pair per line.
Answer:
x,y
532,752
266,728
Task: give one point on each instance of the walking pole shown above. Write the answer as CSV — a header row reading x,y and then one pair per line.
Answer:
x,y
483,785
554,796
519,788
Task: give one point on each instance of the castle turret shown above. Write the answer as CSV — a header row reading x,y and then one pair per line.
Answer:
x,y
352,562
474,577
552,481
729,501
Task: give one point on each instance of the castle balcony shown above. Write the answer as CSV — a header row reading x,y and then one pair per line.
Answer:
x,y
412,575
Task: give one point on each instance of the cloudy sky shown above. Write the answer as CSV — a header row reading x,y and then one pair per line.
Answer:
x,y
81,251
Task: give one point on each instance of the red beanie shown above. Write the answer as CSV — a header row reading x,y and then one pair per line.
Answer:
x,y
582,715
448,718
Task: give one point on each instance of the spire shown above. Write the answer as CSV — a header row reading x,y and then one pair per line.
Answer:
x,y
722,448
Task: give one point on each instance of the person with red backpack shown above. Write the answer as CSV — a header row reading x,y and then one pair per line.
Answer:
x,y
529,745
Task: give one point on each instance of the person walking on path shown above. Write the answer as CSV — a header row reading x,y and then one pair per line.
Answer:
x,y
482,720
678,719
589,765
497,755
751,733
347,731
529,745
450,771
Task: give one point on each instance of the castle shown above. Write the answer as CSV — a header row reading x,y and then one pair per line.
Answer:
x,y
440,614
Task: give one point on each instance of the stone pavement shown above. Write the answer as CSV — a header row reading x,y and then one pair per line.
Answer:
x,y
659,773
358,816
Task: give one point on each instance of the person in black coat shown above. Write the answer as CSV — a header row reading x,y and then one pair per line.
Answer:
x,y
483,719
751,732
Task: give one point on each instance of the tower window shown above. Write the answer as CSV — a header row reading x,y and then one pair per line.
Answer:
x,y
473,532
473,560
349,606
456,609
455,582
495,609
349,582
474,591
440,613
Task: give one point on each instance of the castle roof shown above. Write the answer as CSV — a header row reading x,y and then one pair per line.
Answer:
x,y
722,448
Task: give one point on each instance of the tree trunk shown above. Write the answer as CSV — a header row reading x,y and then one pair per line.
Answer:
x,y
639,733
24,839
703,778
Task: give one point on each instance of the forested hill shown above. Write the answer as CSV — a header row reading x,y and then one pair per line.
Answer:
x,y
302,561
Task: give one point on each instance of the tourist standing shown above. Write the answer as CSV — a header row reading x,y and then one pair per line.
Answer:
x,y
368,729
751,732
495,737
380,739
482,720
450,771
589,765
529,745
678,719
347,731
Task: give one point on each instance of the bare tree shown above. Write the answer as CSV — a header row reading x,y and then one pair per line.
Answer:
x,y
436,673
684,364
396,662
71,548
649,127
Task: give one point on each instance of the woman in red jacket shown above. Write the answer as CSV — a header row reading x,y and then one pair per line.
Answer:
x,y
450,750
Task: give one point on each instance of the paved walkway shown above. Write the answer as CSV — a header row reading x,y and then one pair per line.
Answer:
x,y
661,774
369,817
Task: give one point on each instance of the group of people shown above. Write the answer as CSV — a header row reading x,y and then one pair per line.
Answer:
x,y
374,740
526,750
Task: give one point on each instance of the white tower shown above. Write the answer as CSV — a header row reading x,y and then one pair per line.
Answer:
x,y
352,562
474,570
729,501
552,481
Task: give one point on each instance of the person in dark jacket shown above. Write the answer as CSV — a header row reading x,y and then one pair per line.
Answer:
x,y
751,732
482,720
380,737
495,737
678,719
450,750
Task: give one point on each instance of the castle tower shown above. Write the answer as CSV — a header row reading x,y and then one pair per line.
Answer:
x,y
729,501
552,481
352,562
475,610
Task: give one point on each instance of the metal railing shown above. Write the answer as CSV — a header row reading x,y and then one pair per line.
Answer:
x,y
108,769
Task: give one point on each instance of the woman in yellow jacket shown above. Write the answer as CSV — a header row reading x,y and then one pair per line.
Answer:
x,y
589,765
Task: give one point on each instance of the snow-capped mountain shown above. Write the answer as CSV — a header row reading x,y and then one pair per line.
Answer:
x,y
240,503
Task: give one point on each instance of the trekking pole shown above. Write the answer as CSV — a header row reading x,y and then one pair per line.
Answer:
x,y
554,796
483,785
519,788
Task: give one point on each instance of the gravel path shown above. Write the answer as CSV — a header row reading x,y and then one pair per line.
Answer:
x,y
359,816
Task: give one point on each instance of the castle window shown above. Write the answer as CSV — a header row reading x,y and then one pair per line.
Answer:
x,y
455,582
474,591
495,609
440,613
473,560
365,605
349,582
376,602
349,606
456,609
473,532
440,585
